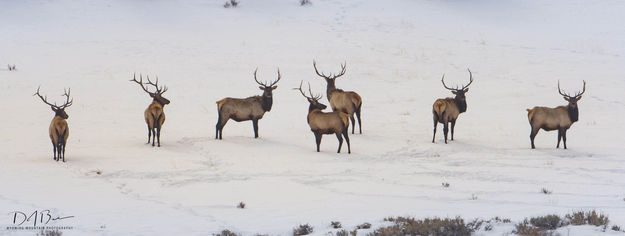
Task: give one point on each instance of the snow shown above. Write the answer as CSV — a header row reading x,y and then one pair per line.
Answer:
x,y
396,52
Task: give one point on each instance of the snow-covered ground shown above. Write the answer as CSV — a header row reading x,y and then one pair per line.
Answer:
x,y
396,52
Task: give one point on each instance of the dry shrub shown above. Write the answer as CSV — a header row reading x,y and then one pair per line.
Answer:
x,y
302,230
427,226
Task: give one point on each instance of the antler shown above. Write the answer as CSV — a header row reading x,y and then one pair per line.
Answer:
x,y
264,84
569,96
309,91
463,87
331,77
140,82
583,90
67,103
444,85
470,79
159,90
44,99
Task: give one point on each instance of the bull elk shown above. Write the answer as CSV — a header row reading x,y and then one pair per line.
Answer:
x,y
243,109
154,115
59,130
336,122
559,118
345,101
447,110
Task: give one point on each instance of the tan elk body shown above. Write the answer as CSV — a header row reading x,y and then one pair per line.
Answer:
x,y
154,114
345,101
243,109
559,118
447,110
58,130
336,122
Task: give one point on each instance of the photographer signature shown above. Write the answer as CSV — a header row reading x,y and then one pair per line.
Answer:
x,y
36,217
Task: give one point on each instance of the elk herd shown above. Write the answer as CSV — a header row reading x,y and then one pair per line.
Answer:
x,y
344,105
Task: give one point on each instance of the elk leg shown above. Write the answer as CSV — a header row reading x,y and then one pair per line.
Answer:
x,y
353,123
317,139
153,136
559,137
221,126
158,135
435,123
564,137
218,126
445,130
63,146
59,151
149,134
255,123
453,125
159,124
358,116
153,129
54,151
349,149
533,133
338,136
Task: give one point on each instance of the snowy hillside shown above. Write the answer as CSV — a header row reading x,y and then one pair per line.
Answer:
x,y
396,52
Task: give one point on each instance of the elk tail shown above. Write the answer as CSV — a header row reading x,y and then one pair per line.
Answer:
x,y
345,118
157,122
530,114
220,103
153,120
439,108
59,136
357,100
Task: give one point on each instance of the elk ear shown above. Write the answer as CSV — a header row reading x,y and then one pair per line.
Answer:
x,y
274,87
53,109
566,99
454,92
466,90
261,87
578,98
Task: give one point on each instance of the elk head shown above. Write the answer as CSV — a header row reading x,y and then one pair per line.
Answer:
x,y
460,92
313,100
572,99
330,79
267,90
58,110
158,94
572,107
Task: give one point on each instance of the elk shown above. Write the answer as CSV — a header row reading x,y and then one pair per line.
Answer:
x,y
59,130
11,68
243,109
345,101
154,115
336,122
559,118
447,110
